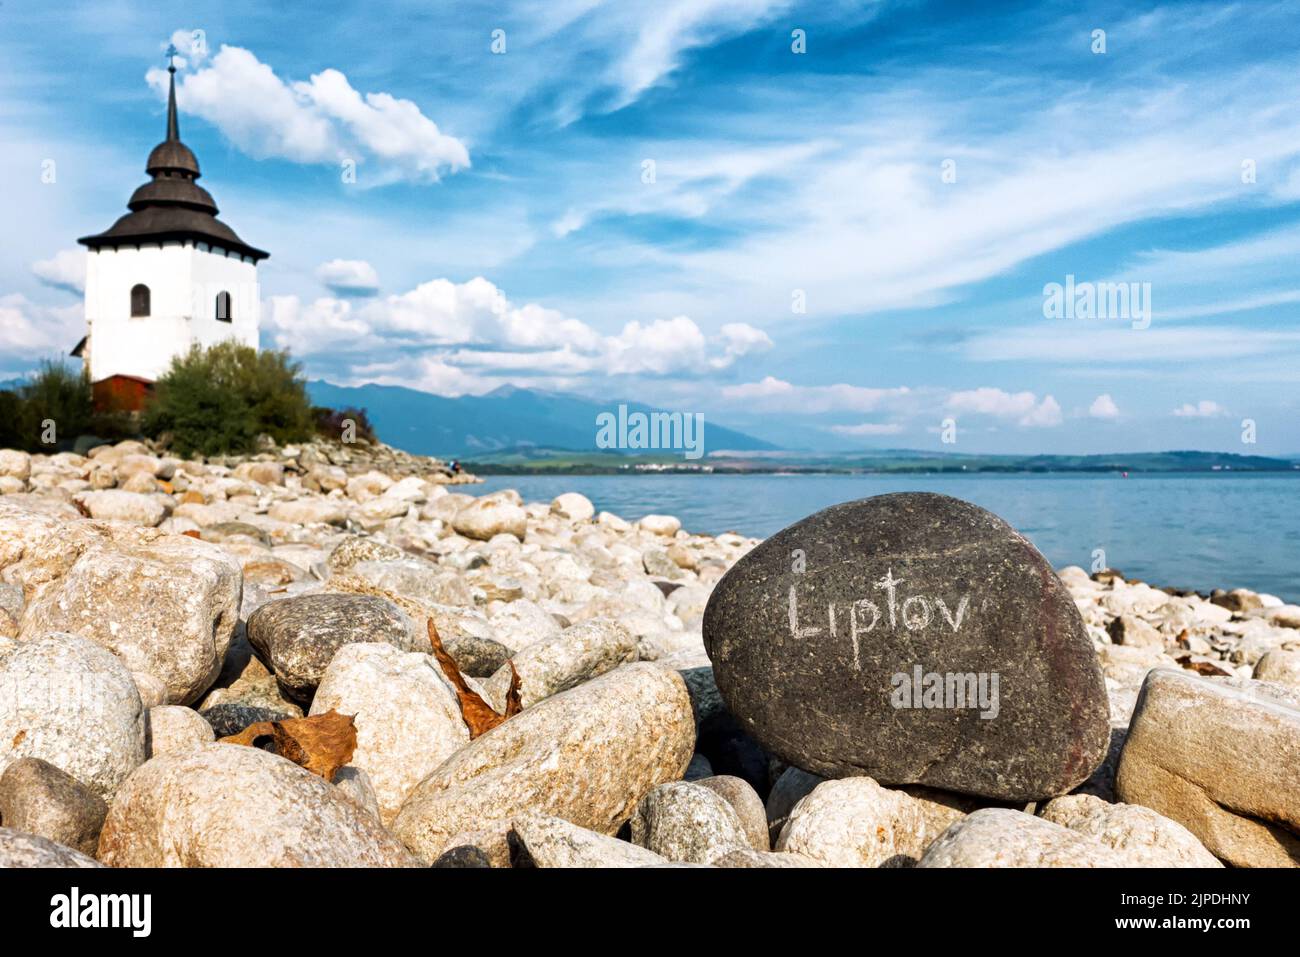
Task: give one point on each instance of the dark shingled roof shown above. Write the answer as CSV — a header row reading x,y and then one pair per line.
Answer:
x,y
172,205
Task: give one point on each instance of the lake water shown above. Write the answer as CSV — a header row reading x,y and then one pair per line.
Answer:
x,y
1202,531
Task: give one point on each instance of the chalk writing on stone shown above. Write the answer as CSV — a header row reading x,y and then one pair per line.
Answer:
x,y
913,612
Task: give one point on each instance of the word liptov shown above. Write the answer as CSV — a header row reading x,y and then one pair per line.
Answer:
x,y
914,612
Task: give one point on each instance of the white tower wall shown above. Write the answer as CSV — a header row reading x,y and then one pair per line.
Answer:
x,y
184,280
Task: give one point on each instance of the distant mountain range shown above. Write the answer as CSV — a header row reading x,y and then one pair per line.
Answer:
x,y
507,420
513,430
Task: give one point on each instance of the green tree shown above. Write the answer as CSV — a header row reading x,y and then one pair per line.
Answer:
x,y
277,393
12,412
218,400
55,403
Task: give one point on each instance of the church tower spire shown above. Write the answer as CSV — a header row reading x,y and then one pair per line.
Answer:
x,y
173,128
172,206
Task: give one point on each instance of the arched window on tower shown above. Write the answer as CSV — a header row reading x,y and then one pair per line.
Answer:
x,y
139,300
225,308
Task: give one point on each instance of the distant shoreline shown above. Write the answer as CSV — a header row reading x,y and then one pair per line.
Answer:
x,y
555,461
485,469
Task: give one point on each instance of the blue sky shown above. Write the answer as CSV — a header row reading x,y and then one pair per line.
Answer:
x,y
504,225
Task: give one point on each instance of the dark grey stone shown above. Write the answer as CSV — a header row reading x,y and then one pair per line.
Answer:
x,y
38,798
731,751
720,739
706,702
467,855
476,656
698,768
233,717
816,637
296,638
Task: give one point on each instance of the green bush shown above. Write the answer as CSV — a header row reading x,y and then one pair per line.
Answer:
x,y
331,423
54,405
218,400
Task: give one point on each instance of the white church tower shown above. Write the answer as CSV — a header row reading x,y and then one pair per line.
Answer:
x,y
165,276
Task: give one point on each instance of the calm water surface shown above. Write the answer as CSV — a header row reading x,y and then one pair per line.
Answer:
x,y
1203,531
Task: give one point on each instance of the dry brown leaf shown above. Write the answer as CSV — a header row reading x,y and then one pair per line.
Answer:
x,y
191,533
1209,669
478,714
514,703
249,736
322,743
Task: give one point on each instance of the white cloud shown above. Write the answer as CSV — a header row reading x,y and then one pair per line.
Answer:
x,y
771,393
427,373
1205,409
348,277
316,327
394,130
191,46
1024,408
741,339
65,270
441,312
1045,415
322,120
658,347
868,428
474,326
769,387
29,331
1104,407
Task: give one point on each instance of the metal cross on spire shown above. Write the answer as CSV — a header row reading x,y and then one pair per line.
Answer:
x,y
172,53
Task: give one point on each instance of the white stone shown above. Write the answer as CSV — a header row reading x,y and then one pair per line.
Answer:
x,y
666,525
226,805
166,604
70,702
854,822
407,717
171,728
573,507
15,464
118,505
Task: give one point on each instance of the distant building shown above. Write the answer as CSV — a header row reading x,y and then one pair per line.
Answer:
x,y
165,276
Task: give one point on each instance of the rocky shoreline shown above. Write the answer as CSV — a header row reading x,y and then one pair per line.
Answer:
x,y
150,606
